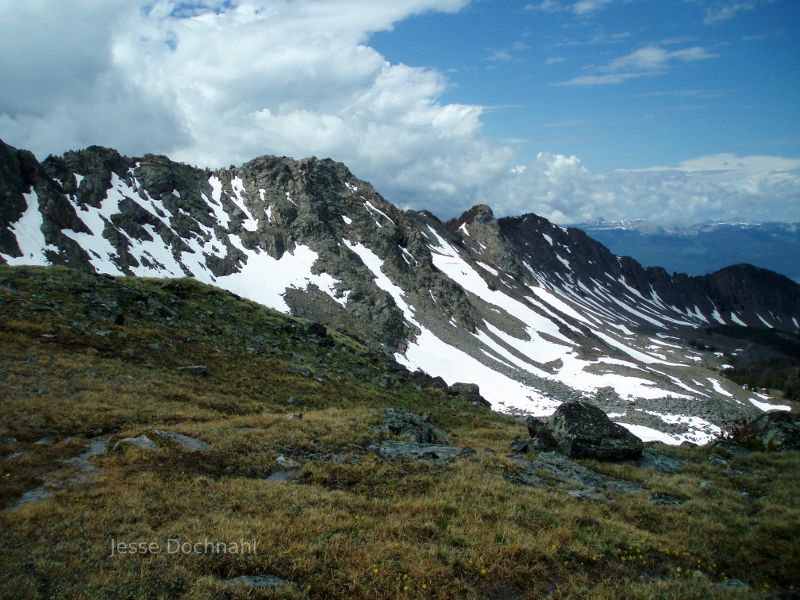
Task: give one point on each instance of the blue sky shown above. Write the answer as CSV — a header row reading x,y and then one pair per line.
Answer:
x,y
667,110
708,80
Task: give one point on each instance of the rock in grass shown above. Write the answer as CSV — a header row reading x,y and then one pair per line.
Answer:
x,y
412,427
142,442
581,430
257,581
195,370
568,474
189,443
661,463
287,463
393,450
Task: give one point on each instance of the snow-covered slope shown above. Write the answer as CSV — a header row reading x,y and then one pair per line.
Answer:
x,y
533,313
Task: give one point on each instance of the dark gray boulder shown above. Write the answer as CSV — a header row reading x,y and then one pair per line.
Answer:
x,y
469,392
776,430
412,427
581,430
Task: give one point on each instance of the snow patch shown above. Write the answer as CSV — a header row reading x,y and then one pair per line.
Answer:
x,y
30,238
766,406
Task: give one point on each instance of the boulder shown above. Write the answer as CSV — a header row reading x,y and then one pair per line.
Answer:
x,y
412,427
469,392
582,430
776,430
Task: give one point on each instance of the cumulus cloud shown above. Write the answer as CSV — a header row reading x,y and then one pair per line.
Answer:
x,y
224,83
217,82
719,187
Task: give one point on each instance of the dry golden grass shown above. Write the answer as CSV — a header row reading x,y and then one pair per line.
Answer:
x,y
356,528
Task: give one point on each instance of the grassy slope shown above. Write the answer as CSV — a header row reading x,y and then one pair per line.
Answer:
x,y
370,529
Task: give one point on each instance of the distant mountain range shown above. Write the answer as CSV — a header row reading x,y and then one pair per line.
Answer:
x,y
534,313
702,248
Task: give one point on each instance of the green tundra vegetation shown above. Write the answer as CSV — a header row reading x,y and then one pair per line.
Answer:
x,y
86,359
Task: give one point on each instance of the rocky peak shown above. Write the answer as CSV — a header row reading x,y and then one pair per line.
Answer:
x,y
480,213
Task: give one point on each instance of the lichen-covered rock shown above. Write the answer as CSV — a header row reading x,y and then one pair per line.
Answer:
x,y
581,430
776,430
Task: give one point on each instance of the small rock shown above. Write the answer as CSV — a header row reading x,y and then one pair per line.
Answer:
x,y
729,449
156,347
316,329
288,475
716,459
142,442
664,499
413,427
392,450
44,441
293,401
706,485
661,463
299,370
189,443
733,584
258,581
287,463
195,370
295,416
520,446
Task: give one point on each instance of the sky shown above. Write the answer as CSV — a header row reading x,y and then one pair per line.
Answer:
x,y
666,110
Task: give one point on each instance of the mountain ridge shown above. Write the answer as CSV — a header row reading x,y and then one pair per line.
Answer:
x,y
532,312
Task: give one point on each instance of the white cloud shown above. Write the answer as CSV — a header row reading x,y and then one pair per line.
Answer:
x,y
719,187
585,7
726,11
214,87
643,62
581,8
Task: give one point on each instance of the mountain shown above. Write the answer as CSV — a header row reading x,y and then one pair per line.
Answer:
x,y
702,248
533,313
